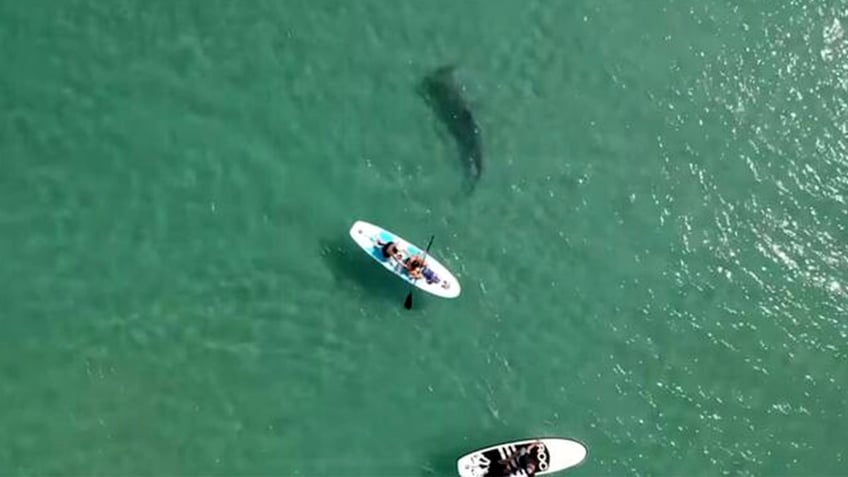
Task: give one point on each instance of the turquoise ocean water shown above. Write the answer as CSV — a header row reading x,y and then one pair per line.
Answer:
x,y
654,261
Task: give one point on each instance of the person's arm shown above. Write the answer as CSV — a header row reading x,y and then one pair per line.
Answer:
x,y
511,461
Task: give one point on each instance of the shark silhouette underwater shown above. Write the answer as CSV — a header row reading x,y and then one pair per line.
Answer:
x,y
447,99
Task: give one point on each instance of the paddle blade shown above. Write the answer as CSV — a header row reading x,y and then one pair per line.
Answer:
x,y
408,302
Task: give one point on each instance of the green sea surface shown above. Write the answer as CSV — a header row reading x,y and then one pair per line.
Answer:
x,y
654,261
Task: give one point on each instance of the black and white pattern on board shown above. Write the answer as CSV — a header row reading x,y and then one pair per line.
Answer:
x,y
492,463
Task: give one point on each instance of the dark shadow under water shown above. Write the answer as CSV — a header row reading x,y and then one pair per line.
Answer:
x,y
441,91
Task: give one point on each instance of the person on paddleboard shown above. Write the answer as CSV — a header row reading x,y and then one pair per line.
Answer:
x,y
415,266
524,459
390,249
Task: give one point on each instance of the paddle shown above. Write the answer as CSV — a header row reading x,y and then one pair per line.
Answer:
x,y
408,302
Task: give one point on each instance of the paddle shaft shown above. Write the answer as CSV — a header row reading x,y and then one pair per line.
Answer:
x,y
408,302
427,250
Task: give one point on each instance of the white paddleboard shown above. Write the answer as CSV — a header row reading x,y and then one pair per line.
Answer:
x,y
367,236
558,454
